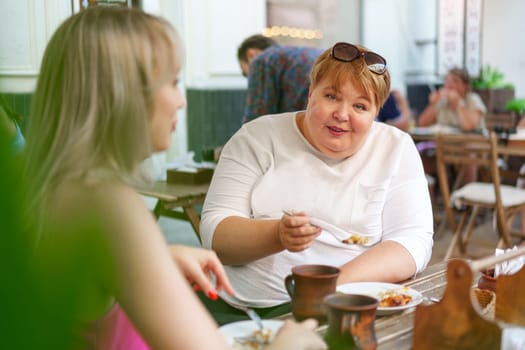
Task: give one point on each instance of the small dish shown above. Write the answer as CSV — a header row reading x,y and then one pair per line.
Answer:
x,y
246,328
377,289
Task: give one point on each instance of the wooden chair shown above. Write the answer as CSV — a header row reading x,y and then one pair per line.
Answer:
x,y
460,151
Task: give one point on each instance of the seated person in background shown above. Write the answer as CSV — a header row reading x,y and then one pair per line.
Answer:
x,y
278,76
396,111
332,162
10,126
454,104
99,250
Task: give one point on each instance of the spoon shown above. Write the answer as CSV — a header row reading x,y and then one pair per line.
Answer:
x,y
236,303
340,234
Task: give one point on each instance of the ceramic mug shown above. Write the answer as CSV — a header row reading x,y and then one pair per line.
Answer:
x,y
307,285
351,320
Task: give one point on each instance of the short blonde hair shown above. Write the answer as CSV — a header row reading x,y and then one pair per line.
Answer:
x,y
95,93
377,86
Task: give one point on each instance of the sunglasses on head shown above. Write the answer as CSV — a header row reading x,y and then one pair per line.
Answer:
x,y
346,52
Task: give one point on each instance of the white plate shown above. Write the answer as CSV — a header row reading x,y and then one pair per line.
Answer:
x,y
375,289
246,328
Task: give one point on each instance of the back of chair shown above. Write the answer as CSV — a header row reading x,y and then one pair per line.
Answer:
x,y
462,150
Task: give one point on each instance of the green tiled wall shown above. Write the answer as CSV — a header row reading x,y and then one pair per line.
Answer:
x,y
213,117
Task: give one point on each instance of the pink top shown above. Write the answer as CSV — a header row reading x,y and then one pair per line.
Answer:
x,y
114,331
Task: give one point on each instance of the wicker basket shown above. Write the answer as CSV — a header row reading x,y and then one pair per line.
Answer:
x,y
486,300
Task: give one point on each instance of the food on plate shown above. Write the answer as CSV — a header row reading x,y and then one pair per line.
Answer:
x,y
256,340
355,239
394,297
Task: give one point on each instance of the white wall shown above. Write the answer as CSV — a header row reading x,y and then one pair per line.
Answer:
x,y
25,28
392,27
502,45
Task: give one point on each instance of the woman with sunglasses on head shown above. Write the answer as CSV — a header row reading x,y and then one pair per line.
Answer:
x,y
107,98
331,162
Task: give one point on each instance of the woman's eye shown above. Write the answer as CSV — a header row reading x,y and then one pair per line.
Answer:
x,y
330,96
360,107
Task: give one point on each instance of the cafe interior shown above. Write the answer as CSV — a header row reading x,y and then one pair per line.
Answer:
x,y
474,232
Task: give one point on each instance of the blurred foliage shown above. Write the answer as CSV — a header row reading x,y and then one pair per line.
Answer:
x,y
516,105
491,78
32,315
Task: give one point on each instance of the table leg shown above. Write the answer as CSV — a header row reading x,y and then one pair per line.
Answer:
x,y
194,219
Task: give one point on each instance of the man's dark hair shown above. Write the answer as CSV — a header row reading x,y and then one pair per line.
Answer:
x,y
256,41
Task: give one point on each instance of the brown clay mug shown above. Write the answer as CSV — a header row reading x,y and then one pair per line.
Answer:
x,y
307,285
351,320
487,280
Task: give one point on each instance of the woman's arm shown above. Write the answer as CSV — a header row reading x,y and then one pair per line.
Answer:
x,y
407,226
157,298
468,114
147,283
239,240
429,114
468,118
389,261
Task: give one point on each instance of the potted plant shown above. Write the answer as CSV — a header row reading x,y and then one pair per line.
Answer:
x,y
517,107
493,89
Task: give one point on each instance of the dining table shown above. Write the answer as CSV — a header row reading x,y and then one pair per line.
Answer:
x,y
177,200
395,331
450,314
510,145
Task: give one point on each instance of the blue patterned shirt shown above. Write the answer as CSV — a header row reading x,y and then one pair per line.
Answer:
x,y
390,111
278,80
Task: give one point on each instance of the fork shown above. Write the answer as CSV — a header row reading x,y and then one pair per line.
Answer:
x,y
236,303
331,229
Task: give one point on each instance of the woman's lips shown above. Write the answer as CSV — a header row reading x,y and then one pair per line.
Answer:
x,y
334,130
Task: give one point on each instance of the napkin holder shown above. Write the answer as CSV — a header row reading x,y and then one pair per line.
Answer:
x,y
189,176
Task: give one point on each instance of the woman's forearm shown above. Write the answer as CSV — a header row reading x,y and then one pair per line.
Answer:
x,y
468,118
428,116
238,240
387,262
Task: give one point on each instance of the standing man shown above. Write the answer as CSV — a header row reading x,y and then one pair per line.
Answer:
x,y
278,76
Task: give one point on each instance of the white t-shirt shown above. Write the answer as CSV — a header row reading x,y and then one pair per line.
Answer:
x,y
268,166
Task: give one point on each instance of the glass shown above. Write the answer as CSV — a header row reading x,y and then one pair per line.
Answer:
x,y
346,52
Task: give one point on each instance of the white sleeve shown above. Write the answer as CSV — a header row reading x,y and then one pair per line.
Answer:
x,y
407,215
242,162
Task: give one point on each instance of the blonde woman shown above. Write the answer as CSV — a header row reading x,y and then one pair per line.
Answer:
x,y
107,97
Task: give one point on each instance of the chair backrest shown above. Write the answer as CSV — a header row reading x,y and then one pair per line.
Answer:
x,y
462,150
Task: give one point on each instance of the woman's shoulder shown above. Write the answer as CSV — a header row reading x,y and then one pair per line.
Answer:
x,y
382,130
103,200
474,99
269,125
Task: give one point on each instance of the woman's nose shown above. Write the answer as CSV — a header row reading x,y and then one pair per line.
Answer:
x,y
342,114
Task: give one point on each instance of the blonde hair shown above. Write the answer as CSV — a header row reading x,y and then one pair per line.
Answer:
x,y
94,97
376,86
